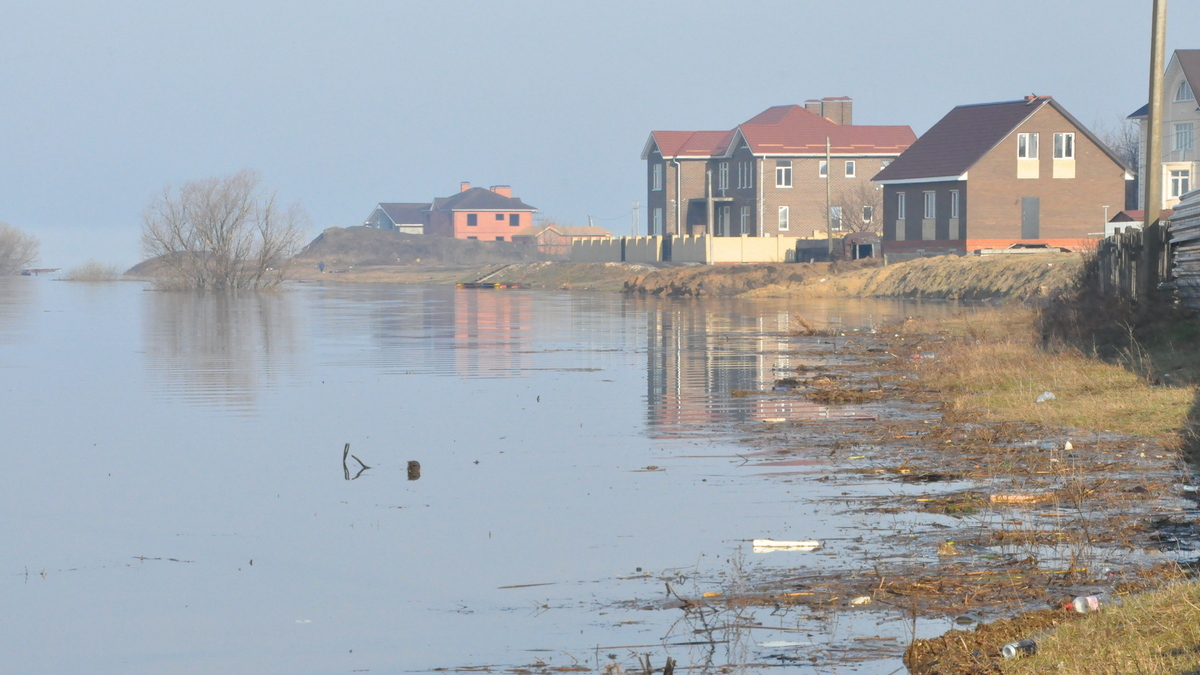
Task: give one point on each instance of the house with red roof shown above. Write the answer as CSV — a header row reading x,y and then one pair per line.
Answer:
x,y
769,175
993,175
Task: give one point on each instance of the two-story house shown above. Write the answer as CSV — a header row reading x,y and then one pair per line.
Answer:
x,y
995,174
1181,118
770,175
478,213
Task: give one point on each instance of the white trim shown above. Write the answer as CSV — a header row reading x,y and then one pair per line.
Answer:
x,y
908,181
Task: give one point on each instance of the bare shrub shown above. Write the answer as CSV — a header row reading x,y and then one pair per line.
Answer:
x,y
92,271
222,233
862,208
17,249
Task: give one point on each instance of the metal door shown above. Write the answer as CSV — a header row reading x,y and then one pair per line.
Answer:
x,y
1030,223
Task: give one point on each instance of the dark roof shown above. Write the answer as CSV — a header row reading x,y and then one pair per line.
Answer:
x,y
1189,63
405,213
480,199
966,134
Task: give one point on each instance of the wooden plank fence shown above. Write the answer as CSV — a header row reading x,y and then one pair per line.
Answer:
x,y
1134,263
1184,232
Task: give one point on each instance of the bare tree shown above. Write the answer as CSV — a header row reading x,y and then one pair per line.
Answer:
x,y
1122,137
17,249
223,233
861,208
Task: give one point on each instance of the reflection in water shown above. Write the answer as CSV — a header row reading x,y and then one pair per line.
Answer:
x,y
219,349
17,295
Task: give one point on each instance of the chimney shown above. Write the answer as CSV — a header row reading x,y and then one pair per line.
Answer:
x,y
502,190
838,109
464,186
813,106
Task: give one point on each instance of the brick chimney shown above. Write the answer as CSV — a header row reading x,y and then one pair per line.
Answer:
x,y
813,106
838,109
502,190
464,186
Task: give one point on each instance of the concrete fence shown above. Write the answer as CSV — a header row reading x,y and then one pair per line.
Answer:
x,y
687,249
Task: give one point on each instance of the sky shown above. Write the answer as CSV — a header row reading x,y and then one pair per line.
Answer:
x,y
343,105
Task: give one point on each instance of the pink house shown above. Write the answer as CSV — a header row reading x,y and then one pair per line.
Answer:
x,y
475,213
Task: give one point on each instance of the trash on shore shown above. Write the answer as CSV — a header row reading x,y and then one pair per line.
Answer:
x,y
1045,396
1017,499
1019,648
947,548
414,470
1092,603
770,545
861,600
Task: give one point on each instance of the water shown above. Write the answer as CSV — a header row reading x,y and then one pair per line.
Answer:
x,y
174,498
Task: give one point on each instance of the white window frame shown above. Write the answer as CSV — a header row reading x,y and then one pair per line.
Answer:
x,y
822,169
1027,146
954,203
750,173
1180,182
656,221
741,177
868,213
930,204
745,219
783,173
783,219
723,176
1064,146
901,205
656,177
1184,92
850,168
1185,136
835,218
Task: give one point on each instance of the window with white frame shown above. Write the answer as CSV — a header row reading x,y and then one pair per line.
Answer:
x,y
750,174
783,218
1184,92
1181,182
783,173
931,205
954,203
900,206
656,177
835,218
723,176
1064,146
868,213
745,219
741,175
850,168
656,222
1185,136
1027,146
822,169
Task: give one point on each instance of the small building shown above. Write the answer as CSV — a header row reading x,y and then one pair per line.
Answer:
x,y
477,213
1131,219
407,217
553,239
991,175
1181,116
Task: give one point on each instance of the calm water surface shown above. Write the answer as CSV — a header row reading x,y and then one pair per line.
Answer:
x,y
174,498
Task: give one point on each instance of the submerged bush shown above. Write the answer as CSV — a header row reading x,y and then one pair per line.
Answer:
x,y
92,270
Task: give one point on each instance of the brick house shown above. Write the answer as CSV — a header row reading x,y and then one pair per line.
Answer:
x,y
409,218
767,177
1181,117
554,239
995,174
478,213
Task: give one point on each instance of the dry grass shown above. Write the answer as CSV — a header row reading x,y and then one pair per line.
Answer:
x,y
989,364
93,271
1156,633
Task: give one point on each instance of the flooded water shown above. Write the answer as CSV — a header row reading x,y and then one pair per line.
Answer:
x,y
175,497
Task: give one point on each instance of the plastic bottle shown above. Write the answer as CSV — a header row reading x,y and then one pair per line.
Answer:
x,y
1092,603
1020,648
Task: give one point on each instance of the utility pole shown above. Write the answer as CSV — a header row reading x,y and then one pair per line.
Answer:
x,y
636,206
828,201
1153,168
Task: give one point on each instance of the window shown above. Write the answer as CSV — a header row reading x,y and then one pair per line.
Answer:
x,y
472,237
1181,182
741,179
723,176
656,178
835,218
823,169
745,220
850,168
499,238
514,219
1184,92
1027,146
954,203
499,216
656,225
783,218
1185,136
725,219
472,219
868,213
1064,146
745,177
931,205
783,173
750,174
900,206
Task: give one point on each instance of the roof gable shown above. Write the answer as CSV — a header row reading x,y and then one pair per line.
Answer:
x,y
698,144
1188,61
405,213
480,199
793,130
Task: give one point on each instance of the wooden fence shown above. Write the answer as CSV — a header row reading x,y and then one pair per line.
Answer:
x,y
1184,232
1133,263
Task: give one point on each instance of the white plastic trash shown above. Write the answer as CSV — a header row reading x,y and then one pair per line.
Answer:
x,y
770,545
1046,396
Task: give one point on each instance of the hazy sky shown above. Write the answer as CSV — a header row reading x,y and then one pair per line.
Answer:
x,y
343,105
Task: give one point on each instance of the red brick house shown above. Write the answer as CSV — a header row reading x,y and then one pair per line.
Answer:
x,y
996,174
767,177
478,213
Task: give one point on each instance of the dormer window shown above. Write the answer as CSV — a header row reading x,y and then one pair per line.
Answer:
x,y
1184,92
